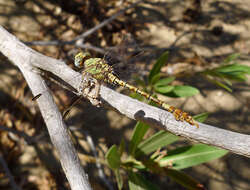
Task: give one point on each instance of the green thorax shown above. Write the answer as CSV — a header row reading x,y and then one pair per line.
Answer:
x,y
98,68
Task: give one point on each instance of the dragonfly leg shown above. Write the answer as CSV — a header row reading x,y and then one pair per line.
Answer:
x,y
90,89
94,89
66,112
178,114
183,116
97,90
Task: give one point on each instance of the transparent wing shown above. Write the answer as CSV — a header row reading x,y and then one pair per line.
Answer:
x,y
124,56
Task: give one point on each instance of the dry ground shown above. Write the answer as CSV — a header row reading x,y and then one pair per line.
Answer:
x,y
218,30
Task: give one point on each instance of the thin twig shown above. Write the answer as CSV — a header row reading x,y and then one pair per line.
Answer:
x,y
98,164
78,41
8,173
105,22
58,43
26,137
91,47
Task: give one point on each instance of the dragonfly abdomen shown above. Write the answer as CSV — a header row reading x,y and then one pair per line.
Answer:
x,y
178,114
115,80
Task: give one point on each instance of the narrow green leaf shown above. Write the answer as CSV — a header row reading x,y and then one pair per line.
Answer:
x,y
185,91
118,178
121,147
184,179
231,68
227,81
233,71
113,158
158,65
164,89
138,134
164,81
244,68
231,58
137,182
189,156
158,140
201,117
240,78
221,85
223,75
156,78
236,77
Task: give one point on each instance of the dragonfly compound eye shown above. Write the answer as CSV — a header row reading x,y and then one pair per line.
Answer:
x,y
80,58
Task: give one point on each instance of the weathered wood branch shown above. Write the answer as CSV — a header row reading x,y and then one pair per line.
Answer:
x,y
23,57
232,141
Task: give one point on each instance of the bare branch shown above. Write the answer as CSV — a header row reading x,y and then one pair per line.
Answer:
x,y
105,22
8,173
78,41
98,164
21,56
207,134
26,137
232,141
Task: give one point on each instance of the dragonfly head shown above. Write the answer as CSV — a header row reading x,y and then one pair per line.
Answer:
x,y
80,58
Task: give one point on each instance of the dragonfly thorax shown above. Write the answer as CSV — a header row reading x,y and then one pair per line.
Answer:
x,y
98,68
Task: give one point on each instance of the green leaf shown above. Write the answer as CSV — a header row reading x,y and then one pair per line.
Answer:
x,y
184,179
239,77
223,75
156,78
232,68
227,81
189,156
164,89
138,134
158,65
231,58
113,158
158,140
164,81
121,147
221,85
137,182
185,91
201,117
118,178
232,71
244,68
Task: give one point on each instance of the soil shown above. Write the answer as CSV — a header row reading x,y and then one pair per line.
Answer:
x,y
198,34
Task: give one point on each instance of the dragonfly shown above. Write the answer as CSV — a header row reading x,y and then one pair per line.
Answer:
x,y
99,69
